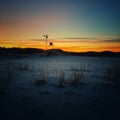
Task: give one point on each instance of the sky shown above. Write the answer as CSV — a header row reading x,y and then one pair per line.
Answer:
x,y
72,25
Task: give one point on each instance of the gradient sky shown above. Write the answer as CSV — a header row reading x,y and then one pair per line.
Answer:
x,y
72,25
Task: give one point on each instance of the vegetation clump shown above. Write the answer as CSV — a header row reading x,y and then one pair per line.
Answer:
x,y
6,78
42,78
76,78
61,82
112,73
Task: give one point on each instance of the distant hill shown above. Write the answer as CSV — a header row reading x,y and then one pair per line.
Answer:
x,y
18,52
98,54
21,52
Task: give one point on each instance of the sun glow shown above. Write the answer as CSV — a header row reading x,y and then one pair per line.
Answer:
x,y
74,45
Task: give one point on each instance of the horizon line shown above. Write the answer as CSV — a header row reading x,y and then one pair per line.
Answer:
x,y
58,49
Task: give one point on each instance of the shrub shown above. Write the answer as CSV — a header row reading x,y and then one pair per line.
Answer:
x,y
42,77
61,82
112,73
23,66
7,76
76,77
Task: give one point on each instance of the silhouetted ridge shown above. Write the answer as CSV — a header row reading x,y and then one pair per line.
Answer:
x,y
18,52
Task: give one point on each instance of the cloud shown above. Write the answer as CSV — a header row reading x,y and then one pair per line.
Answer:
x,y
77,38
112,40
92,39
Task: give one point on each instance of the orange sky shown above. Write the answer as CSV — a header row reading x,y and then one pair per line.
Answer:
x,y
67,44
72,25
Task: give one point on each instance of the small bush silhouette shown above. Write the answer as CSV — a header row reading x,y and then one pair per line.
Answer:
x,y
42,77
112,73
7,76
76,78
61,82
23,66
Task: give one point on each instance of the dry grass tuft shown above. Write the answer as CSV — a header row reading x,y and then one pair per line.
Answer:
x,y
42,77
112,73
7,76
61,82
77,78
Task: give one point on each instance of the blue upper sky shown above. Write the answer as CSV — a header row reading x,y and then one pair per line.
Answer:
x,y
61,18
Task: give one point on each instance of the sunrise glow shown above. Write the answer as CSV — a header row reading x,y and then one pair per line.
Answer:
x,y
74,25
